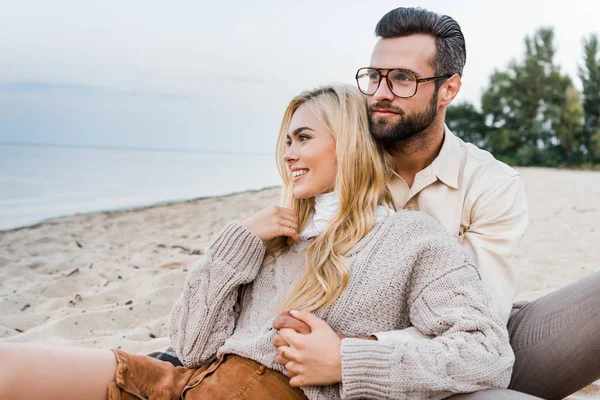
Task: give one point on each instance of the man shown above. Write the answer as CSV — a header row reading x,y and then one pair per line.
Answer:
x,y
415,73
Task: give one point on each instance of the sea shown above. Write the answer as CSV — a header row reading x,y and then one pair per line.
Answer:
x,y
39,182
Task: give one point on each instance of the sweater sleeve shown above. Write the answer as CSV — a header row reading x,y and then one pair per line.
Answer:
x,y
470,350
204,315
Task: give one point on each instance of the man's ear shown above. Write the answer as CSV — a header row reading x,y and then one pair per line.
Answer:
x,y
449,90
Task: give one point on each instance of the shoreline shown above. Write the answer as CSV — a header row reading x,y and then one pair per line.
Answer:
x,y
164,203
133,208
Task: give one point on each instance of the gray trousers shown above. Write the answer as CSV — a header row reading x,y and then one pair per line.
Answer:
x,y
556,341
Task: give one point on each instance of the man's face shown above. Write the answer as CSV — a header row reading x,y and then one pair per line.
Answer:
x,y
396,119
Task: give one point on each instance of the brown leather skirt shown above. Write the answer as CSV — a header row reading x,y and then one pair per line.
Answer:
x,y
231,377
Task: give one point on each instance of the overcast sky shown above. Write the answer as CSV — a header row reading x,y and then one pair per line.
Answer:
x,y
217,75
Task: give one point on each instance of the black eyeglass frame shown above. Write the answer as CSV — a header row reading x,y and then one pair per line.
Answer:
x,y
381,76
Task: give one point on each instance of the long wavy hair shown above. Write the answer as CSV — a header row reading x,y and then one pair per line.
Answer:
x,y
363,171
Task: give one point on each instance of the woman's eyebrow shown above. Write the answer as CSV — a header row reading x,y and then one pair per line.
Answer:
x,y
298,130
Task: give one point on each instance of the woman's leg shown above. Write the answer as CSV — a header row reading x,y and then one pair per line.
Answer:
x,y
52,372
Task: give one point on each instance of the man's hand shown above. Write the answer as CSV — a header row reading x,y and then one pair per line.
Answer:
x,y
285,320
314,358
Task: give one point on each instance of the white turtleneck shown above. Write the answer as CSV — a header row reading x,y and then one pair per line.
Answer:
x,y
326,206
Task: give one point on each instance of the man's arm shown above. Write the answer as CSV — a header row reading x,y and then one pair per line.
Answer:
x,y
498,222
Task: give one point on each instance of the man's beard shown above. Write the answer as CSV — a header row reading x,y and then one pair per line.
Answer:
x,y
407,127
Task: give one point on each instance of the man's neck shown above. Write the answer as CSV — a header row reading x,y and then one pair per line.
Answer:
x,y
415,154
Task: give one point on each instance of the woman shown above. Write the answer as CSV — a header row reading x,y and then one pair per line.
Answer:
x,y
336,256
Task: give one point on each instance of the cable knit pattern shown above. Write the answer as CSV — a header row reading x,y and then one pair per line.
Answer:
x,y
406,272
204,315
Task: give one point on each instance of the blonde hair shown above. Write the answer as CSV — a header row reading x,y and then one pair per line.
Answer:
x,y
363,171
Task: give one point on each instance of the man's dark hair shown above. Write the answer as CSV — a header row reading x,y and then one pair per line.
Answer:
x,y
451,53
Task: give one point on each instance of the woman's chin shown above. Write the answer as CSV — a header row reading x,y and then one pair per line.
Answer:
x,y
301,194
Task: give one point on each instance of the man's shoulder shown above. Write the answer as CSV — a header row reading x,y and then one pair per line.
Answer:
x,y
477,159
480,166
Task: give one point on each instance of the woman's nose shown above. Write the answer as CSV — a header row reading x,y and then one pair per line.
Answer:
x,y
290,155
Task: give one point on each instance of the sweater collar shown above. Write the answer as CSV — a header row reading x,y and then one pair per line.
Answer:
x,y
326,207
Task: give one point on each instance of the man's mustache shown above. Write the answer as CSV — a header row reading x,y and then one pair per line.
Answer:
x,y
385,106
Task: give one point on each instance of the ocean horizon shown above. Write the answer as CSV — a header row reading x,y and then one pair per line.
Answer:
x,y
45,181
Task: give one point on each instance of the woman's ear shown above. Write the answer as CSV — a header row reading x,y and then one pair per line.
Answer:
x,y
449,90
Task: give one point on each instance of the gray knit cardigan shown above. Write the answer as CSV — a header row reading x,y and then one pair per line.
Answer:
x,y
407,271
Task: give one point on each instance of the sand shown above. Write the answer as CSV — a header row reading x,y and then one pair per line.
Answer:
x,y
108,280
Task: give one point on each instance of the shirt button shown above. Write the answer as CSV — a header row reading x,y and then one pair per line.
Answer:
x,y
144,395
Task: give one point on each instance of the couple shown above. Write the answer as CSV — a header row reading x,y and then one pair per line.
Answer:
x,y
337,266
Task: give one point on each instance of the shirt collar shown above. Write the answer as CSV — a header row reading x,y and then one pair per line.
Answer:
x,y
446,166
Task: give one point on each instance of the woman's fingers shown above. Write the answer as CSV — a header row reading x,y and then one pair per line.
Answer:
x,y
289,223
295,237
289,213
289,232
278,341
293,368
281,358
268,223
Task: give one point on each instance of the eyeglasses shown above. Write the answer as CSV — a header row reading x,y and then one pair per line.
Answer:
x,y
402,82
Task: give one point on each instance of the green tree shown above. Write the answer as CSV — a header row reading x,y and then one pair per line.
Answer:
x,y
524,105
590,80
569,131
466,122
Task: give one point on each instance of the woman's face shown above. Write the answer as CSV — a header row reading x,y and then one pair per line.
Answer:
x,y
310,154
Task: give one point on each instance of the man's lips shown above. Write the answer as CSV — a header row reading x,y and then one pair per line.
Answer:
x,y
383,112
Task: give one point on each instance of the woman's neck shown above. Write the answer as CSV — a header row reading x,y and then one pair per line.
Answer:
x,y
326,207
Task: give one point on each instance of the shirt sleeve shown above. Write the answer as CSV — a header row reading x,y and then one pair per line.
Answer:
x,y
470,350
204,315
493,240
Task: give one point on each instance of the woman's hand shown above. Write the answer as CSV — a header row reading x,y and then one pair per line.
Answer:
x,y
273,222
314,359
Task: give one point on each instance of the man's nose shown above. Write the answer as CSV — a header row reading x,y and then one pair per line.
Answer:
x,y
383,92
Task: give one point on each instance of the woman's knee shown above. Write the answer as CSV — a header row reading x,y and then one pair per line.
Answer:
x,y
13,369
59,372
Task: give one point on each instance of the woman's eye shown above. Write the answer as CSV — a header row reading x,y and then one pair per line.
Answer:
x,y
303,138
288,143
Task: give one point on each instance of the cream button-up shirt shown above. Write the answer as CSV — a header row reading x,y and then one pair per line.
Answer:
x,y
481,202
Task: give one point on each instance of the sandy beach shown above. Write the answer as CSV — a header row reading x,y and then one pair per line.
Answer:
x,y
109,279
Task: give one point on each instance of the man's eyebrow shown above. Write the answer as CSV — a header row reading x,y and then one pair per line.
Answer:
x,y
298,130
